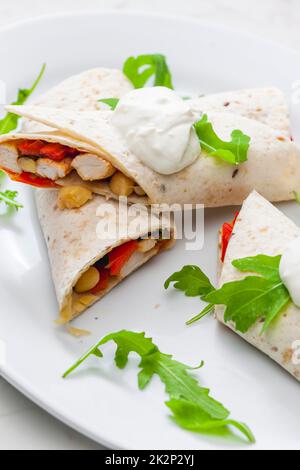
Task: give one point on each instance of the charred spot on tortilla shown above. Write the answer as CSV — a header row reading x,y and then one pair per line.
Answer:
x,y
287,356
234,174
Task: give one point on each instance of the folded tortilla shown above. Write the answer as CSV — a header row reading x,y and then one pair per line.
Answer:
x,y
262,229
81,93
273,166
266,105
78,239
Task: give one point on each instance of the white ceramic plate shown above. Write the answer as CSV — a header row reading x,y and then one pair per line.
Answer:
x,y
102,402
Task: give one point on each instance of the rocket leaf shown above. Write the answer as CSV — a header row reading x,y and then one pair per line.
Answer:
x,y
233,152
182,387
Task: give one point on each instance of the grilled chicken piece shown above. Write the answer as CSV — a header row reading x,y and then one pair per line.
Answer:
x,y
136,260
53,170
91,167
9,158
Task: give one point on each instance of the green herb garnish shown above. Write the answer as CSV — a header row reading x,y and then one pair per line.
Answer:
x,y
192,406
194,283
297,197
247,301
140,69
233,152
10,121
111,102
9,198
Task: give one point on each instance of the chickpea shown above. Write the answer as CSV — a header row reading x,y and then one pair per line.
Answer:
x,y
73,197
88,281
121,185
27,164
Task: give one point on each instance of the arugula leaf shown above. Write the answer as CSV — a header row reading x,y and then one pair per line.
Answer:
x,y
233,152
183,389
191,280
141,68
10,121
297,197
207,310
191,417
267,266
111,102
250,300
9,198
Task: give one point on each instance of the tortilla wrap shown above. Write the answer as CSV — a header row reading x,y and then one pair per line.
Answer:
x,y
81,93
262,229
273,166
266,105
76,241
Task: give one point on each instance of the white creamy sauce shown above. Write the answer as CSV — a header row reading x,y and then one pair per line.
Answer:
x,y
157,125
289,270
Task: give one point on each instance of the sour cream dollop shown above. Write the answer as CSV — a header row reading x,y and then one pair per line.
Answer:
x,y
289,270
157,125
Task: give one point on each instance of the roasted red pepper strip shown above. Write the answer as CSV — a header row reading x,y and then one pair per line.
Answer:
x,y
58,152
103,283
120,255
30,147
227,230
31,179
53,151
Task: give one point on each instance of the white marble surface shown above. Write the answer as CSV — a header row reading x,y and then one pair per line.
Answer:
x,y
22,424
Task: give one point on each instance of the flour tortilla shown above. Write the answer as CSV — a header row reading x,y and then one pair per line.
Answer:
x,y
74,246
273,166
265,105
82,93
263,229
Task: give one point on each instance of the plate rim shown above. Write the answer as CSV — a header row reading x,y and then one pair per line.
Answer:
x,y
144,14
17,381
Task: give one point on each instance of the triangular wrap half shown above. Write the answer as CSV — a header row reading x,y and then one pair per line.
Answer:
x,y
80,92
262,229
76,241
273,166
